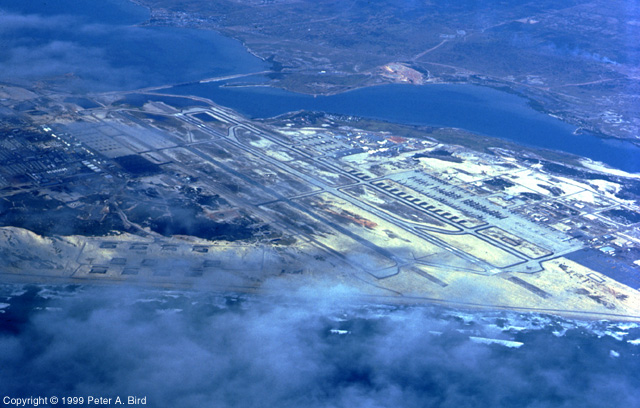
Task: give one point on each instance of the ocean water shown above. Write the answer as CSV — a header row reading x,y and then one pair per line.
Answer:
x,y
314,348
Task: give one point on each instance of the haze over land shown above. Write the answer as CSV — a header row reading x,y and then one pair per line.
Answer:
x,y
576,59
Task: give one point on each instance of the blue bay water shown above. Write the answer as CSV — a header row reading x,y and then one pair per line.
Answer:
x,y
113,12
106,49
477,109
101,43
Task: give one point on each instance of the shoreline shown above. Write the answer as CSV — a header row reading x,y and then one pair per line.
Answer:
x,y
365,299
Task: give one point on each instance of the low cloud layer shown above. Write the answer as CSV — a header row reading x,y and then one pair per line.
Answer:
x,y
195,350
